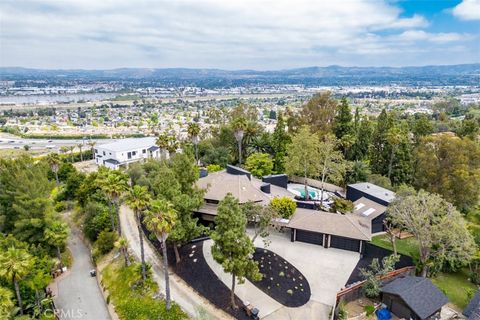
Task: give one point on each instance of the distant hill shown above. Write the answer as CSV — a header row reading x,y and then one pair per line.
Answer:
x,y
332,75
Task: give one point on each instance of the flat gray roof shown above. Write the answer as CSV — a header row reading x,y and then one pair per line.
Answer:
x,y
129,144
374,190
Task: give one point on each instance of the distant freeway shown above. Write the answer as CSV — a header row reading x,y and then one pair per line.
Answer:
x,y
13,142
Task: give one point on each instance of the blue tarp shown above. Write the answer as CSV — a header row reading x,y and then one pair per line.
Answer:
x,y
383,314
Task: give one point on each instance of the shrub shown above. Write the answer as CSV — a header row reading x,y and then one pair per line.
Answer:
x,y
213,168
97,219
106,241
60,206
369,310
342,205
259,164
284,206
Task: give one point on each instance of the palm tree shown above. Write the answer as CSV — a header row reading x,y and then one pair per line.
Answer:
x,y
162,142
239,125
80,147
56,235
64,149
92,144
6,303
53,160
113,184
193,132
138,198
71,149
172,145
160,219
122,245
15,264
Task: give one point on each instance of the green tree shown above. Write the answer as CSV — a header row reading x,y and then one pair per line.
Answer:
x,y
160,219
449,166
193,132
259,164
15,264
379,151
319,113
363,140
284,206
122,245
53,160
114,183
440,230
280,141
6,303
303,156
232,248
138,199
56,235
342,206
332,164
343,127
261,218
375,271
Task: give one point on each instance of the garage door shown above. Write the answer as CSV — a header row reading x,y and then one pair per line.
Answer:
x,y
345,243
309,237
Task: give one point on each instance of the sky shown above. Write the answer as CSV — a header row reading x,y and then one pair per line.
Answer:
x,y
237,34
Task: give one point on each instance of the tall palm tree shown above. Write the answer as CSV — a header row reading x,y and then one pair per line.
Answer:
x,y
160,219
53,160
239,126
92,144
193,132
138,199
122,245
113,184
80,147
173,145
15,264
56,235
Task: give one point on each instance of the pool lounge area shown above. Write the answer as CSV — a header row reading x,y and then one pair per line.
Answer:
x,y
314,193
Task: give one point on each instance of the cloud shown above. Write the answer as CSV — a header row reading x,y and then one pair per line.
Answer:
x,y
209,33
467,10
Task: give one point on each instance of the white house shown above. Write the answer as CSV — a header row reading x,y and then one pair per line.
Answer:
x,y
123,152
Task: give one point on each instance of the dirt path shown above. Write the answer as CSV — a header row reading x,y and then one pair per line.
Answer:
x,y
187,298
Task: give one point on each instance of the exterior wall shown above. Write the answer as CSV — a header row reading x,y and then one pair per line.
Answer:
x,y
377,224
138,154
398,307
354,194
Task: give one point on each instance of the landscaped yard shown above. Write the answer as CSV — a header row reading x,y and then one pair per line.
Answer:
x,y
131,299
454,285
281,281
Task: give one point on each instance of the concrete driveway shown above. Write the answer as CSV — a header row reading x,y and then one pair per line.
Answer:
x,y
327,271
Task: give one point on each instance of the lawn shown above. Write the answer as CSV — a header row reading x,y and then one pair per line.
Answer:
x,y
131,298
406,246
454,285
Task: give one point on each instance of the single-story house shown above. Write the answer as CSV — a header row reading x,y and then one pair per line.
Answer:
x,y
371,211
370,191
472,311
412,297
330,230
125,151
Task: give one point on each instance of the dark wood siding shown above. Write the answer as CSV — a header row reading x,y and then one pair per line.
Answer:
x,y
309,237
377,224
345,243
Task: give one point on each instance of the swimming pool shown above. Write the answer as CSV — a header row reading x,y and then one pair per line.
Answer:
x,y
299,190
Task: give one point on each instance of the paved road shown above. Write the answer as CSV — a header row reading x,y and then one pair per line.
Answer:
x,y
79,296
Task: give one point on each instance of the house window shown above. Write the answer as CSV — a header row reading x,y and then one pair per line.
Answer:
x,y
129,155
104,153
96,150
134,153
144,151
